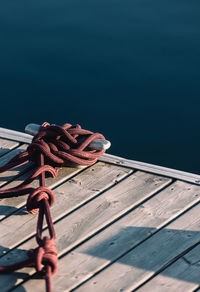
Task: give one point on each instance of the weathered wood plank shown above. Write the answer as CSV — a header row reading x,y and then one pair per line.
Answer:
x,y
165,171
138,265
7,145
123,235
12,174
95,215
183,275
126,233
10,205
69,195
97,253
15,135
109,158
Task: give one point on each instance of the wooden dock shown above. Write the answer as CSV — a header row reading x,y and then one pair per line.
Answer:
x,y
121,225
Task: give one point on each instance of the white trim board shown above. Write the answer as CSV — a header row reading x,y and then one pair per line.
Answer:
x,y
156,169
15,135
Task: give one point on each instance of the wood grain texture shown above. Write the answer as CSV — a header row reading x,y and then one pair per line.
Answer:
x,y
123,235
154,254
156,169
10,205
115,231
165,171
12,174
106,208
183,275
15,135
69,195
7,145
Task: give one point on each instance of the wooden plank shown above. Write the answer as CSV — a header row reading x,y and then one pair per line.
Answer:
x,y
123,235
105,209
7,145
12,174
183,275
15,135
165,171
69,195
10,205
156,169
151,256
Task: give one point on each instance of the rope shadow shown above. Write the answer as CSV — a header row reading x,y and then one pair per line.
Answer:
x,y
8,210
4,151
9,281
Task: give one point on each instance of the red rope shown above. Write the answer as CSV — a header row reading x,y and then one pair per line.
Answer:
x,y
53,146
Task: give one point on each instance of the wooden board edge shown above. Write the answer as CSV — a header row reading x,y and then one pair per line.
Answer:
x,y
15,136
120,161
155,169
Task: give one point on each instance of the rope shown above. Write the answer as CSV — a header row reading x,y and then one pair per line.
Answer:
x,y
51,148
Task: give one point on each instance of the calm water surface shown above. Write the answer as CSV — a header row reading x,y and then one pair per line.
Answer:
x,y
129,69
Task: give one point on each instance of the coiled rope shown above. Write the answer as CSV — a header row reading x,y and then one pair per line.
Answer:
x,y
51,148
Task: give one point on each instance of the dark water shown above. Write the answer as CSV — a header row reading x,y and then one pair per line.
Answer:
x,y
127,68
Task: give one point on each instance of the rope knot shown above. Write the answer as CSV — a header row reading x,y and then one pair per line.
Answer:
x,y
62,144
45,254
53,146
36,147
41,193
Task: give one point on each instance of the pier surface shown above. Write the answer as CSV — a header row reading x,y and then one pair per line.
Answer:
x,y
121,225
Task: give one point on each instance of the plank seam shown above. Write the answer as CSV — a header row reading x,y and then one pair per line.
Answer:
x,y
95,196
165,266
151,168
177,174
65,215
17,176
11,149
70,249
53,188
133,247
115,220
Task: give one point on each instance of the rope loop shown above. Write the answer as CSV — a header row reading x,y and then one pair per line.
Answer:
x,y
61,144
53,146
45,254
33,201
